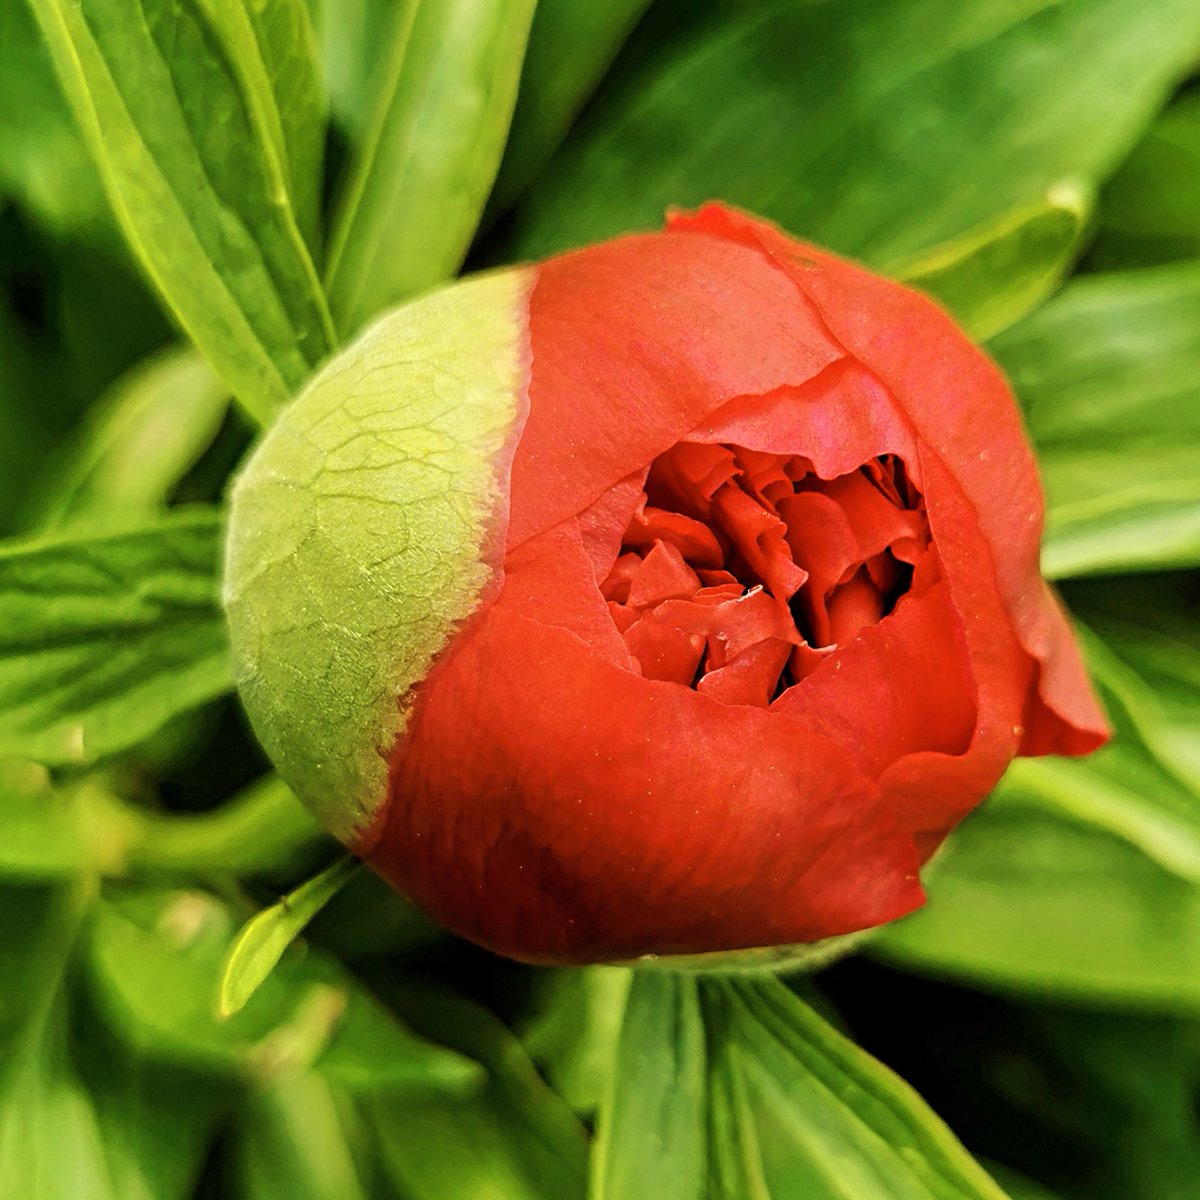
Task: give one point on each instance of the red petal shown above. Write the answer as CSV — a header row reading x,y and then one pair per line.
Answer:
x,y
635,342
963,411
653,820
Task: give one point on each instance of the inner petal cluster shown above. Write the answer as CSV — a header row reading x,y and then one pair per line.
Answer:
x,y
742,570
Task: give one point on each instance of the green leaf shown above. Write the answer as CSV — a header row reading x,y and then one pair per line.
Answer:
x,y
573,1033
153,1124
1024,898
653,1125
516,1140
43,162
736,1088
1150,210
571,45
261,942
1109,378
104,636
418,185
350,34
155,957
137,442
48,831
994,275
300,1141
201,168
877,127
277,46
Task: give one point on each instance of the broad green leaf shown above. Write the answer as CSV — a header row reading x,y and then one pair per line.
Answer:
x,y
1150,210
1152,646
516,1140
735,1088
299,1140
1024,898
176,105
418,185
261,942
1108,373
137,443
994,275
155,956
571,45
104,636
880,128
1017,1187
653,1136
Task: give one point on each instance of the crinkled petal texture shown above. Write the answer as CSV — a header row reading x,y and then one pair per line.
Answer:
x,y
771,620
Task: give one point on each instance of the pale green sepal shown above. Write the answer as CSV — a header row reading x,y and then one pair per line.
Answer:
x,y
358,532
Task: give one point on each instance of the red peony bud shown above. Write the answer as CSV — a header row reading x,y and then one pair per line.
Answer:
x,y
679,594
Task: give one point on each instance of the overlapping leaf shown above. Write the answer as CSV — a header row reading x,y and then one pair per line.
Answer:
x,y
1108,374
104,636
210,171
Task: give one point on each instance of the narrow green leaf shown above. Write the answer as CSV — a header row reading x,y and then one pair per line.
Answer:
x,y
44,164
1109,378
261,942
880,128
829,1121
353,36
283,67
515,1140
137,443
155,957
418,186
735,1089
1150,210
105,636
573,1033
300,1140
176,105
571,45
652,1137
994,275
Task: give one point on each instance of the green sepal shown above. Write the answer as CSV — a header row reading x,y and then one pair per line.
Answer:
x,y
360,532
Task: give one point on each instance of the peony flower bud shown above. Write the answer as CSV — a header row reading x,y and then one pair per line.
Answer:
x,y
679,594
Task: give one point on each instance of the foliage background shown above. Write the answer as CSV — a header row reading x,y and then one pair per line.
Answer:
x,y
198,201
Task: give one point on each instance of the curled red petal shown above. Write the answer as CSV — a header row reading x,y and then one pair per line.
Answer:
x,y
962,411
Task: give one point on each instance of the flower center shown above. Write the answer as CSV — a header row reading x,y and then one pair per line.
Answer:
x,y
741,570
